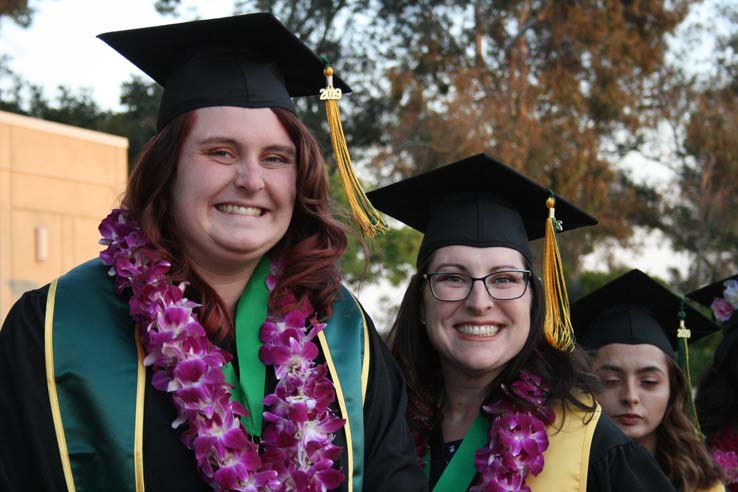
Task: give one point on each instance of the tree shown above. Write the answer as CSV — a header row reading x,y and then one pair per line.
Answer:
x,y
557,89
700,216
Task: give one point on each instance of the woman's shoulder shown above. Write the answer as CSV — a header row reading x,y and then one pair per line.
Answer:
x,y
618,463
28,311
608,438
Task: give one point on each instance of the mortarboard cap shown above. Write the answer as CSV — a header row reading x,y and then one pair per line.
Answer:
x,y
480,202
635,309
720,297
250,61
477,201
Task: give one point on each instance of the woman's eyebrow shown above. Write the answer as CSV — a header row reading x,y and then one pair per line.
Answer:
x,y
611,368
289,150
649,369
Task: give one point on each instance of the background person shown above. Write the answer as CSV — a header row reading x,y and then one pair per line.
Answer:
x,y
631,325
717,393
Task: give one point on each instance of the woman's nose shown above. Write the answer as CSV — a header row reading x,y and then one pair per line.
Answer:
x,y
630,393
249,175
478,298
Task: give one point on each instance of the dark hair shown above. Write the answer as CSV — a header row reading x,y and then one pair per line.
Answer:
x,y
717,393
561,372
679,449
309,251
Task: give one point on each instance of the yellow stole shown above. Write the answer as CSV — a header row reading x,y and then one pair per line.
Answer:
x,y
718,487
566,461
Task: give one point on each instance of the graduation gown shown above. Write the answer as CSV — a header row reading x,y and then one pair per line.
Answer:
x,y
29,456
616,463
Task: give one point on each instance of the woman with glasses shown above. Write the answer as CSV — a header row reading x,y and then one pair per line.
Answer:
x,y
493,405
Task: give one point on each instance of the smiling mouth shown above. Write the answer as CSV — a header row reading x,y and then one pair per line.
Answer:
x,y
239,210
478,330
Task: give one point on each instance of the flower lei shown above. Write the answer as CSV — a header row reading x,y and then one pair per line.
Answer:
x,y
723,307
724,448
298,452
517,438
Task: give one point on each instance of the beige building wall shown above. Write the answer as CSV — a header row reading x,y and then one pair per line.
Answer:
x,y
57,182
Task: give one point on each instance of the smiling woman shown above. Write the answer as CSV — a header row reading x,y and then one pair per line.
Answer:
x,y
497,401
212,345
632,325
234,192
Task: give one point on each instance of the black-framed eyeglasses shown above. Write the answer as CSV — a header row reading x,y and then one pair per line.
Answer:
x,y
504,285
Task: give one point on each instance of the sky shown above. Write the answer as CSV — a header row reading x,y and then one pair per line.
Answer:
x,y
60,48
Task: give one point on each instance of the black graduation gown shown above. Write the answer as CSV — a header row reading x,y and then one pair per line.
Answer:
x,y
616,463
29,456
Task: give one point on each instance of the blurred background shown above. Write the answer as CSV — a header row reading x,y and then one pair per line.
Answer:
x,y
627,108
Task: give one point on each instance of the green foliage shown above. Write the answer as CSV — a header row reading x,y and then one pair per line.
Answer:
x,y
700,356
390,256
589,281
140,100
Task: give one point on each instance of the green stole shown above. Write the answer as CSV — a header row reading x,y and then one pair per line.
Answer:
x,y
250,315
96,395
460,471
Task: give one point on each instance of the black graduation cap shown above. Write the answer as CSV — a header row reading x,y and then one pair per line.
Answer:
x,y
635,309
477,201
706,296
250,61
709,293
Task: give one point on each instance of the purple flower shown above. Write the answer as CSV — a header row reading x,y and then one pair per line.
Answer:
x,y
517,438
299,425
722,309
728,461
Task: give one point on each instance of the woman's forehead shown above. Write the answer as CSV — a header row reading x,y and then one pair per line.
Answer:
x,y
630,357
470,256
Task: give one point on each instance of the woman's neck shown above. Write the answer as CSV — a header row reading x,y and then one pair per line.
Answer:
x,y
649,442
463,397
229,285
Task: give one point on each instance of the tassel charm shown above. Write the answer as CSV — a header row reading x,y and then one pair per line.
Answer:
x,y
557,322
367,217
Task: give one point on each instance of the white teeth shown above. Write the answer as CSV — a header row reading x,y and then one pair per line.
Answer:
x,y
238,210
479,331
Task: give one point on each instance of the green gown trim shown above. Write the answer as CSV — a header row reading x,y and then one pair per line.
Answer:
x,y
98,412
98,407
460,471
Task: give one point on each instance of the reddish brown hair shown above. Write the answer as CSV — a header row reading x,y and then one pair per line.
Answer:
x,y
309,251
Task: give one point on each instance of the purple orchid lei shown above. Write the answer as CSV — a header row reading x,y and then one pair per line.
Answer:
x,y
298,450
517,438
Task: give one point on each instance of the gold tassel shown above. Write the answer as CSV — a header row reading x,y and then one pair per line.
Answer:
x,y
557,323
370,221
